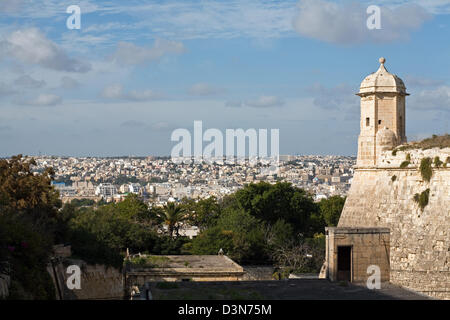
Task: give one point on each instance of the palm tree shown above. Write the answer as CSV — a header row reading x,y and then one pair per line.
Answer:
x,y
173,214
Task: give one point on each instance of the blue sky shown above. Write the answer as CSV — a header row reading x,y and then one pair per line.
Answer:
x,y
137,70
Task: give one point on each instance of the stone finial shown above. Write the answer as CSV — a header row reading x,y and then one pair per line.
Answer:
x,y
382,60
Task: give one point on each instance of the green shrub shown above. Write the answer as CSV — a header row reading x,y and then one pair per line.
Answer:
x,y
27,252
394,152
425,169
408,157
422,198
404,164
437,162
393,178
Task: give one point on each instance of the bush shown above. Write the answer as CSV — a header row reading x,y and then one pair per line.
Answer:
x,y
437,162
425,169
82,202
305,256
422,198
101,236
393,178
404,164
27,252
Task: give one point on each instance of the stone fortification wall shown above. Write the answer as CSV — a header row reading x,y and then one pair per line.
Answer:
x,y
419,239
97,281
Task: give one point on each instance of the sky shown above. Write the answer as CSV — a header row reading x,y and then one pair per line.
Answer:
x,y
137,70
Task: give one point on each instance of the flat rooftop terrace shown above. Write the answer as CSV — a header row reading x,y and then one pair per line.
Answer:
x,y
184,263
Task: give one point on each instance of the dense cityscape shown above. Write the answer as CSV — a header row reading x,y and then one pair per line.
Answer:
x,y
158,180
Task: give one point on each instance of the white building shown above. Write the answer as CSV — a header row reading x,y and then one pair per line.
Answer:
x,y
134,188
105,190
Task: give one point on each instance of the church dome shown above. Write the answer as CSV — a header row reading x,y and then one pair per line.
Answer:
x,y
382,81
386,138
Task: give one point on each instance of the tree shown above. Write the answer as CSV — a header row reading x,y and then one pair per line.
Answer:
x,y
240,235
173,215
103,235
331,209
270,203
83,202
132,207
25,192
202,213
28,217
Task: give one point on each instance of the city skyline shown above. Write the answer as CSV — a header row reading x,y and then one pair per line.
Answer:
x,y
131,75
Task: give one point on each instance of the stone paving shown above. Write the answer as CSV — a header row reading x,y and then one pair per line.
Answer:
x,y
293,289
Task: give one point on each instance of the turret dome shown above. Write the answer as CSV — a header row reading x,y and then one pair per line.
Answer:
x,y
382,81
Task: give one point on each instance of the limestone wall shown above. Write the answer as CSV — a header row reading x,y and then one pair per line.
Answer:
x,y
258,273
419,240
97,281
388,160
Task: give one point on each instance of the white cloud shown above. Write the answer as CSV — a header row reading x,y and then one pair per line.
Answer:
x,y
30,46
433,99
143,95
204,89
260,102
116,91
433,6
10,6
339,101
337,97
28,82
6,90
209,19
69,83
419,81
160,126
346,23
234,104
44,8
265,102
43,100
130,54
